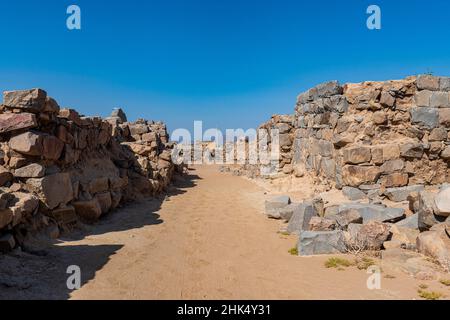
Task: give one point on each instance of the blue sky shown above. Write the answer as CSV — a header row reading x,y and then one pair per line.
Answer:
x,y
230,63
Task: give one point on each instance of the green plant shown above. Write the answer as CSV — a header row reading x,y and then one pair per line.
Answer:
x,y
293,251
430,295
445,282
364,263
337,262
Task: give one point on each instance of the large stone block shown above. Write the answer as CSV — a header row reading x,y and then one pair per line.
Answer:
x,y
357,155
442,201
396,179
52,147
321,242
17,121
411,150
425,117
329,89
440,99
372,212
427,209
53,190
444,117
89,210
301,217
34,170
423,98
444,84
32,100
372,235
428,82
274,205
354,176
435,244
28,143
402,193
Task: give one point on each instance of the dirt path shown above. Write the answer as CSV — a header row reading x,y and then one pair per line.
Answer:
x,y
212,242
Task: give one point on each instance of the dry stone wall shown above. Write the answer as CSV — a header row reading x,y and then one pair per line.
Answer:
x,y
57,167
375,135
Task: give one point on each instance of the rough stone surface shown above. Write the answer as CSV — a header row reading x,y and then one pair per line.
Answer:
x,y
17,121
402,193
33,170
53,190
321,242
442,201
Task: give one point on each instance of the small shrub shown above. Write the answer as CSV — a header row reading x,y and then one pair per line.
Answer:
x,y
430,295
445,282
337,262
364,263
423,286
294,251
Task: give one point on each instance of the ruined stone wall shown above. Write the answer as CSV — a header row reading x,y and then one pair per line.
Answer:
x,y
375,135
57,167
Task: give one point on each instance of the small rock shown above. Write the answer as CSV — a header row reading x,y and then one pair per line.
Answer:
x,y
353,193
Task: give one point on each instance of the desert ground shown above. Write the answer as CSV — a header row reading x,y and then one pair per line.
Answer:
x,y
208,239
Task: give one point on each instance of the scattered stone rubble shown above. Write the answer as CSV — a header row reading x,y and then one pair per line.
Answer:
x,y
378,142
58,167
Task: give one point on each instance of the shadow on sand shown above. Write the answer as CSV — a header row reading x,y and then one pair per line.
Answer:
x,y
42,274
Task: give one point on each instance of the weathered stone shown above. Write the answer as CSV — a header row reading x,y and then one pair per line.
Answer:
x,y
372,235
385,152
425,117
395,179
70,115
32,100
407,261
379,118
411,150
442,201
440,100
285,140
5,176
53,190
329,89
65,215
34,170
89,211
445,154
411,222
321,224
301,217
427,209
444,84
444,117
387,99
402,193
28,143
406,237
17,121
150,136
356,155
353,193
438,134
422,98
98,185
321,242
372,212
137,129
119,113
52,147
105,201
428,82
51,106
341,140
435,244
346,217
354,176
7,243
392,166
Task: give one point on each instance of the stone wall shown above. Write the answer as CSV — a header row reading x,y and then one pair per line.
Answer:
x,y
375,135
57,167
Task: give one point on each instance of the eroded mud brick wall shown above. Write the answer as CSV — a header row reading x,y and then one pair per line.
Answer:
x,y
382,134
57,166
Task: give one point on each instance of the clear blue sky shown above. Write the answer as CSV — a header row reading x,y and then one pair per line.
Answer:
x,y
230,63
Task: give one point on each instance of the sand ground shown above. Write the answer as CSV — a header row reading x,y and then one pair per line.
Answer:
x,y
208,239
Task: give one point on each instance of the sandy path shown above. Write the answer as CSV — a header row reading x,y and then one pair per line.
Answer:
x,y
212,242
